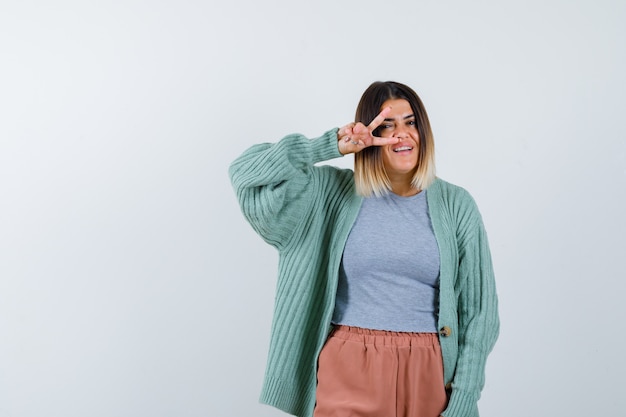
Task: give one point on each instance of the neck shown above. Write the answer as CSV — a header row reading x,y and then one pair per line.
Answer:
x,y
402,183
403,189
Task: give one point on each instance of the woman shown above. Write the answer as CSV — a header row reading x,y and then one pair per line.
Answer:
x,y
385,302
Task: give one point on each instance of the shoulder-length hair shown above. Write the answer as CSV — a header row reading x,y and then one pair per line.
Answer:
x,y
369,172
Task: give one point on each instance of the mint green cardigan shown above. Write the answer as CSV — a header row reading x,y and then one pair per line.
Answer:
x,y
306,211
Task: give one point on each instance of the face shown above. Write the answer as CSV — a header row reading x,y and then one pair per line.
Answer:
x,y
400,159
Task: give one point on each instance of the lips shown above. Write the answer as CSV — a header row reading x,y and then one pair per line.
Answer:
x,y
403,148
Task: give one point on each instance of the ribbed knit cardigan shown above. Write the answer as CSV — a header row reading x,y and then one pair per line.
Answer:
x,y
306,211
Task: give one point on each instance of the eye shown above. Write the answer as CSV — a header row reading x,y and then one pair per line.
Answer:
x,y
411,123
386,126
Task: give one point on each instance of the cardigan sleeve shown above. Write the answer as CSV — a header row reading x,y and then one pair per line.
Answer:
x,y
477,312
271,182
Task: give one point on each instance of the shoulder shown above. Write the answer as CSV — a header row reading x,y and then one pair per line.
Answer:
x,y
451,194
455,206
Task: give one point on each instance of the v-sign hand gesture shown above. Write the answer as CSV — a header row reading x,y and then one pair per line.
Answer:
x,y
355,137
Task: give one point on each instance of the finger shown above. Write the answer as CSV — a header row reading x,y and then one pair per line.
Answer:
x,y
345,131
359,129
351,136
379,119
378,141
350,144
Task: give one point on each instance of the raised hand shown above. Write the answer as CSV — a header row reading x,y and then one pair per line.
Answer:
x,y
354,137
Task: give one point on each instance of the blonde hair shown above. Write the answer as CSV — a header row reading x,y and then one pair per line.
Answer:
x,y
369,171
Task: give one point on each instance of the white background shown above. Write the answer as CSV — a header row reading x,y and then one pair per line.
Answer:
x,y
130,284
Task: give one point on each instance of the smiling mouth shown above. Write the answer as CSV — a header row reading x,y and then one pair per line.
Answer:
x,y
403,148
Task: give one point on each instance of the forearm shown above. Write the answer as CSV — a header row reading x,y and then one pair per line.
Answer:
x,y
269,163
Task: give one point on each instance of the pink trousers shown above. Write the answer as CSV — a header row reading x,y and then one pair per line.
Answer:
x,y
374,373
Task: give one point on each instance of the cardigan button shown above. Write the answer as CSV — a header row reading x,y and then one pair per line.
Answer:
x,y
449,386
445,331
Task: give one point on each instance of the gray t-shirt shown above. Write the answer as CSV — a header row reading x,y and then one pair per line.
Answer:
x,y
389,275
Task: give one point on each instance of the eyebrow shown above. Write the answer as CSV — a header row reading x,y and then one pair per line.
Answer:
x,y
404,118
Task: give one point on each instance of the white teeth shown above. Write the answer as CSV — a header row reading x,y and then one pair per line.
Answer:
x,y
403,148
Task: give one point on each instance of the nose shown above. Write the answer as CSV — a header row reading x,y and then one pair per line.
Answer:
x,y
401,132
